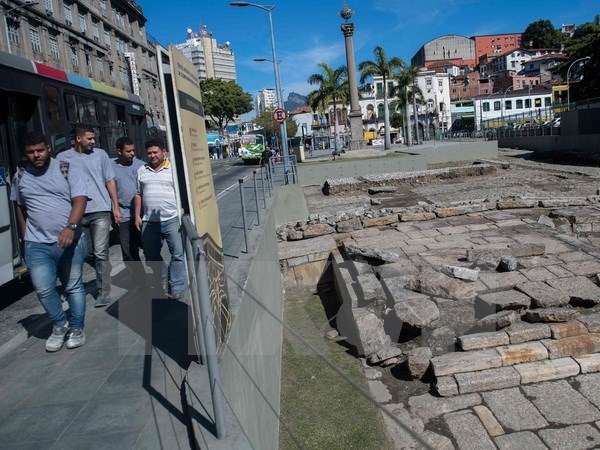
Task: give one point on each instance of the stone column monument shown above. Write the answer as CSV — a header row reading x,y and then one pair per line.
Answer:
x,y
357,140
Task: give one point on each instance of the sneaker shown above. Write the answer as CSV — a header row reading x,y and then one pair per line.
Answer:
x,y
102,301
76,338
57,338
177,295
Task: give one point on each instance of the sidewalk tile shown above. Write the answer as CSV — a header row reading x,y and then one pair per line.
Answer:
x,y
513,410
103,442
560,403
519,441
468,431
67,388
577,436
589,386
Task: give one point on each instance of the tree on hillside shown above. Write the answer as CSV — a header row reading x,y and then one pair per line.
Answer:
x,y
584,42
272,128
542,34
223,100
383,67
333,88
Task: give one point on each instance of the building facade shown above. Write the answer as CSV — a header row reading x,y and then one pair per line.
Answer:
x,y
104,40
496,44
265,100
455,49
212,60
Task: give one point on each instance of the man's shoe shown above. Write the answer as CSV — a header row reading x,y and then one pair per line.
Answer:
x,y
177,295
102,301
57,338
76,338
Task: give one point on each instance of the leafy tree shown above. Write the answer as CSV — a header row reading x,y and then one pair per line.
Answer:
x,y
272,128
542,34
333,88
383,67
406,92
223,100
584,42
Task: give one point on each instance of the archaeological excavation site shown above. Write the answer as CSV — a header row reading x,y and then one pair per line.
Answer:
x,y
470,280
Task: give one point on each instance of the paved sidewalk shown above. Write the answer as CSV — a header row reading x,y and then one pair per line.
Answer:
x,y
122,389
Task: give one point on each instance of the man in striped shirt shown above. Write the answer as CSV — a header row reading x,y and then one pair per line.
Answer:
x,y
157,217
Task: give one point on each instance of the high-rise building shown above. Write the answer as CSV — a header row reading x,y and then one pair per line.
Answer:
x,y
265,100
104,40
211,59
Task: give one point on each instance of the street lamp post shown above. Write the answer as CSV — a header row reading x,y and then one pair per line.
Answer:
x,y
6,11
502,106
283,130
585,58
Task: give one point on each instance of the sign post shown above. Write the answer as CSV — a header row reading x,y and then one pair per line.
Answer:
x,y
279,115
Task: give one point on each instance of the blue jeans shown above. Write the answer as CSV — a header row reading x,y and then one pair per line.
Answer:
x,y
153,236
45,262
96,238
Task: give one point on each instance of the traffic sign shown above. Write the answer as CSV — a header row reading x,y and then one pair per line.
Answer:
x,y
279,115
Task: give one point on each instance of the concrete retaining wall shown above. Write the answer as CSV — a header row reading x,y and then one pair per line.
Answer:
x,y
571,143
290,204
413,158
251,362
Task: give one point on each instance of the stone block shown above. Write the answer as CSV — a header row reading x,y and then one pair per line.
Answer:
x,y
346,226
588,363
522,353
576,436
560,403
384,354
513,410
487,380
370,289
305,247
380,221
427,406
502,280
446,386
554,369
418,361
538,274
567,329
559,270
504,300
318,229
379,391
543,295
370,332
459,362
584,268
589,386
525,332
417,312
462,273
564,202
440,285
381,189
516,250
295,235
478,341
402,437
488,420
468,432
577,215
416,217
551,315
516,202
519,441
371,253
573,346
591,321
580,289
499,320
437,441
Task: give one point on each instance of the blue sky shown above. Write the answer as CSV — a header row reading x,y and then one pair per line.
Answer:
x,y
308,31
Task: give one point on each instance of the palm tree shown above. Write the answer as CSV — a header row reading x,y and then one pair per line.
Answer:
x,y
333,88
408,92
385,68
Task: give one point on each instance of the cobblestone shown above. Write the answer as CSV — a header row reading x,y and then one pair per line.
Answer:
x,y
488,420
513,410
468,431
589,386
478,341
522,353
589,363
427,406
458,362
547,370
486,380
519,441
578,436
525,332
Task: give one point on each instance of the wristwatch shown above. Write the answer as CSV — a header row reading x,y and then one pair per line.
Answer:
x,y
71,226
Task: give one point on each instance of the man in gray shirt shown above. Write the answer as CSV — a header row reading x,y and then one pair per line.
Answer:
x,y
52,197
99,174
126,167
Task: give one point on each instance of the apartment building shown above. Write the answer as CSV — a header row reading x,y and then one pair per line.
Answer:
x,y
265,100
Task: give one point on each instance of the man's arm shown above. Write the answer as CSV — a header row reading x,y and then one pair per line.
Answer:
x,y
65,238
111,186
22,219
137,211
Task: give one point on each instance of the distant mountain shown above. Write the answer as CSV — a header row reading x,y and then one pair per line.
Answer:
x,y
294,100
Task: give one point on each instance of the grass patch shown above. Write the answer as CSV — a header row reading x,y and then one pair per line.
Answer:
x,y
319,408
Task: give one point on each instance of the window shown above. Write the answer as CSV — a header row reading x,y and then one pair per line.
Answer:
x,y
49,6
518,84
34,35
512,64
508,104
68,13
538,102
547,101
440,84
486,106
107,38
519,104
100,65
54,50
88,63
95,31
82,23
103,7
111,71
527,103
13,32
497,106
74,56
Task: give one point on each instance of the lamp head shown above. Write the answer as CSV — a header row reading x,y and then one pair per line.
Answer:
x,y
260,59
31,2
239,4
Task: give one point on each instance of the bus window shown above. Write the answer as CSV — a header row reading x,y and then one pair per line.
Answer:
x,y
87,110
54,119
71,103
114,121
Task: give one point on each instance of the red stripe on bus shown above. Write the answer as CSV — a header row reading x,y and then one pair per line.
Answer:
x,y
51,72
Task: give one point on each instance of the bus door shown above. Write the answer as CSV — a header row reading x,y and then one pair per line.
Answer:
x,y
18,113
